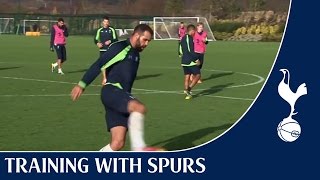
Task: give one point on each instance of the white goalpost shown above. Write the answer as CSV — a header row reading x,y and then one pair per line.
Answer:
x,y
166,28
6,25
34,25
124,33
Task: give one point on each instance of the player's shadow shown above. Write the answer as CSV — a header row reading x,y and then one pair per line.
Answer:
x,y
217,75
187,140
8,68
148,76
212,90
77,71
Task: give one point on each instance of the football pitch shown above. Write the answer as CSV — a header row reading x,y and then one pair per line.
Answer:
x,y
37,113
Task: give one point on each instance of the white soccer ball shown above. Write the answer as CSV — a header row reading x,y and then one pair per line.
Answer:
x,y
289,130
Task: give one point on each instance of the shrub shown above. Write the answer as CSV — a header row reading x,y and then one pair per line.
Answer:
x,y
272,37
281,28
222,35
228,27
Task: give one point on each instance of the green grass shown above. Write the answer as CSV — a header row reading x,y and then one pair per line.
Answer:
x,y
54,123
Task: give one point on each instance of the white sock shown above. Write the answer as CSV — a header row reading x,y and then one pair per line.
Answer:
x,y
136,131
55,64
59,70
106,148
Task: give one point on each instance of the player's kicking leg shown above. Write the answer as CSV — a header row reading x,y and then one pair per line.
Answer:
x,y
136,127
124,113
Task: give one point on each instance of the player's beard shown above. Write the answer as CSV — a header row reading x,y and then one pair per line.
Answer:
x,y
139,47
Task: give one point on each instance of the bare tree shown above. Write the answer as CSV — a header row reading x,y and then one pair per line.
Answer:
x,y
256,5
174,7
220,8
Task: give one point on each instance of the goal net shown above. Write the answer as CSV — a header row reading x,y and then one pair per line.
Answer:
x,y
124,33
42,26
6,25
166,28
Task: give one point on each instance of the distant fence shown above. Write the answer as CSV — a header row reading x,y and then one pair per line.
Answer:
x,y
77,25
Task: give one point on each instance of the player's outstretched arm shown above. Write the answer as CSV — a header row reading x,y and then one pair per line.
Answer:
x,y
76,92
95,69
88,77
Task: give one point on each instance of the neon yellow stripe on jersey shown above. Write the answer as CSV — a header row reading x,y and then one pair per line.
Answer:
x,y
98,34
188,65
188,44
82,84
117,58
114,35
118,85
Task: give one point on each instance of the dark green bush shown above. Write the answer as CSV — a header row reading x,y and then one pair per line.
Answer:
x,y
228,27
272,38
281,28
222,35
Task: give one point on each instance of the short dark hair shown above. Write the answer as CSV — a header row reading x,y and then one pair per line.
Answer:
x,y
141,28
181,22
106,17
191,27
200,24
60,19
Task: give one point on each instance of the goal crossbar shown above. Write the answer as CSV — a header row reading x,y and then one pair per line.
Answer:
x,y
166,28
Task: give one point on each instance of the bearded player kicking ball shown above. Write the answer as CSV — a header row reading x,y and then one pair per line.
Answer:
x,y
123,111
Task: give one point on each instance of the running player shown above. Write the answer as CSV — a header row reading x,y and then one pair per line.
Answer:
x,y
59,32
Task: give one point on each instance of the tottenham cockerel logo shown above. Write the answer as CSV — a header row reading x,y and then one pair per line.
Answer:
x,y
289,129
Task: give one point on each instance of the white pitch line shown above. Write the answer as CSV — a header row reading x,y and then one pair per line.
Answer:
x,y
260,78
147,91
226,97
59,95
37,80
137,89
66,95
44,95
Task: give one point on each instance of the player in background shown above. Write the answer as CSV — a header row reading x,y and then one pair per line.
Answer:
x,y
123,111
105,36
200,44
59,32
190,62
181,34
